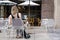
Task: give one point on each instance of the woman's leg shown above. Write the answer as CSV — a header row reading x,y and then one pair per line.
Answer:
x,y
17,31
18,36
23,33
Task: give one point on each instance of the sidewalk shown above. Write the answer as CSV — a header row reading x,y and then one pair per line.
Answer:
x,y
38,33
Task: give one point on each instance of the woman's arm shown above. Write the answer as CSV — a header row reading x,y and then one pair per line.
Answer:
x,y
10,20
20,15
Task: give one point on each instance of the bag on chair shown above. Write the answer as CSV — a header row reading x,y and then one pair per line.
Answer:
x,y
24,34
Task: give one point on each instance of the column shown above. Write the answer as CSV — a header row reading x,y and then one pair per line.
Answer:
x,y
1,12
57,13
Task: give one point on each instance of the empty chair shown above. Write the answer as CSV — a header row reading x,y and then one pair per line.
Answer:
x,y
3,25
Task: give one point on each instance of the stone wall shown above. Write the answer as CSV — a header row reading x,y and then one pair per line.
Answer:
x,y
47,9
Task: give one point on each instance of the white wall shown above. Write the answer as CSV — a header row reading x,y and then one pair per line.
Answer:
x,y
57,13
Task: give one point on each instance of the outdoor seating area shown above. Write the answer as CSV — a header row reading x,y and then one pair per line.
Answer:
x,y
29,19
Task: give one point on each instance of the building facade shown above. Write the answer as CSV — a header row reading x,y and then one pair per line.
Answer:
x,y
44,11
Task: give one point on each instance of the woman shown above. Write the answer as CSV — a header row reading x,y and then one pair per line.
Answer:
x,y
14,15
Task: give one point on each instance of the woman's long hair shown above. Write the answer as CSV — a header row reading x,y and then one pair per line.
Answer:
x,y
14,9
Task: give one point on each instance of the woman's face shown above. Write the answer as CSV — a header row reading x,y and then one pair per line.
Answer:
x,y
14,10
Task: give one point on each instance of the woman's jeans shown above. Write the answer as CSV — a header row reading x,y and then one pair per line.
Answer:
x,y
19,31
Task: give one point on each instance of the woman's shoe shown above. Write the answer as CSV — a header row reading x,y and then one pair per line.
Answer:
x,y
0,31
18,37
